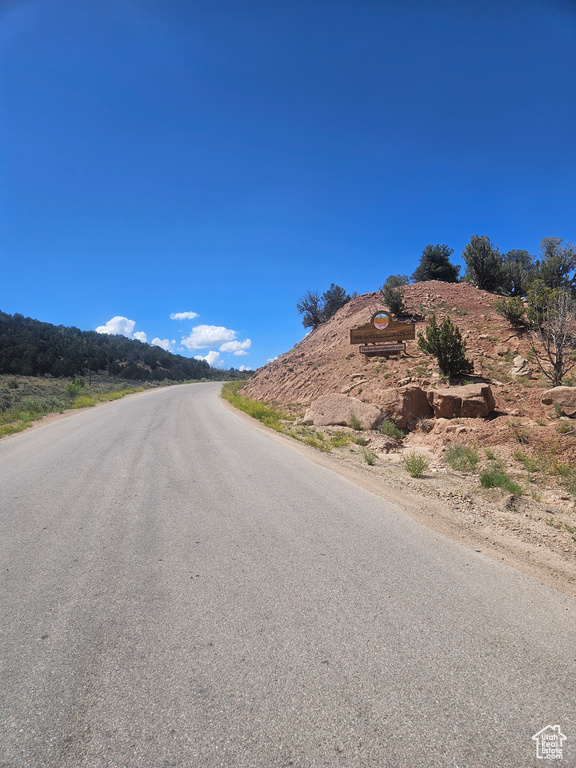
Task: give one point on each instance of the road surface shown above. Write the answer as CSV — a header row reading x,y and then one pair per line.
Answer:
x,y
180,588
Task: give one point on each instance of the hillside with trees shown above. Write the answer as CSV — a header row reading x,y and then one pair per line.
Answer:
x,y
29,347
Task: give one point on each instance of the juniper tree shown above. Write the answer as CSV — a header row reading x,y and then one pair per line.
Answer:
x,y
435,265
445,342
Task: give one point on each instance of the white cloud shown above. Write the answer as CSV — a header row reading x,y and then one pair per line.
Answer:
x,y
204,336
240,353
210,358
244,368
236,347
141,336
271,359
184,315
164,344
118,325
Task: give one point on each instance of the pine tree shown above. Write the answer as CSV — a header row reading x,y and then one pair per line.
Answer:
x,y
435,265
445,342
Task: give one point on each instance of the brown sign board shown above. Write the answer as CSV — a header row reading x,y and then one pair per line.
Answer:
x,y
368,334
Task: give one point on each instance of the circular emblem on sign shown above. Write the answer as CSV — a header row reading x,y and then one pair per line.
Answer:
x,y
380,321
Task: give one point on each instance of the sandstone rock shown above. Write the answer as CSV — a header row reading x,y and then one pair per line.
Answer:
x,y
502,349
336,409
468,401
521,368
404,404
564,397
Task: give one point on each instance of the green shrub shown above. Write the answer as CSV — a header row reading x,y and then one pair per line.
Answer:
x,y
388,427
360,441
511,309
497,477
462,458
13,384
355,422
317,443
340,440
369,456
84,402
416,463
74,388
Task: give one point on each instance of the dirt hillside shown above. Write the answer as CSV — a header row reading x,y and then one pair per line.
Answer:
x,y
325,362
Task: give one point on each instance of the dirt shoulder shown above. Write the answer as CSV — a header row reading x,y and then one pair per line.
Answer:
x,y
535,537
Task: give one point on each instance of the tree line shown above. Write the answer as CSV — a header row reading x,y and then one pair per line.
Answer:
x,y
29,347
515,273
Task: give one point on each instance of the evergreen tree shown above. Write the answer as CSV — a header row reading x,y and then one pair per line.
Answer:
x,y
435,265
445,342
393,293
318,309
557,263
519,270
484,264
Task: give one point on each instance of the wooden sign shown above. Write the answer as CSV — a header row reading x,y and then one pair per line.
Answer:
x,y
382,329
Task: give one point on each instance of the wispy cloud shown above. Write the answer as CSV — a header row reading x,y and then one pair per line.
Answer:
x,y
204,336
164,343
184,315
118,325
210,358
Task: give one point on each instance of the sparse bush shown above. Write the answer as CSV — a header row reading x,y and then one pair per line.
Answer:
x,y
369,456
84,402
317,443
416,463
388,427
462,458
360,441
355,422
13,384
511,309
340,440
497,477
74,388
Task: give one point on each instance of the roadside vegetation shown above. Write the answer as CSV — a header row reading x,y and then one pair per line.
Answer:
x,y
284,422
25,399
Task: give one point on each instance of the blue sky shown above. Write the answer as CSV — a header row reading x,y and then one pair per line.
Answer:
x,y
218,158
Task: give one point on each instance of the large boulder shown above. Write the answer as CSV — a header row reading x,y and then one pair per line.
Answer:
x,y
469,401
336,410
563,397
403,405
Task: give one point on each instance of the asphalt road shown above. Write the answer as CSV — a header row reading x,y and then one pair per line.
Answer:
x,y
181,588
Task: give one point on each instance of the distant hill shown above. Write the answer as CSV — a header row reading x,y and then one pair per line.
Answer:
x,y
31,348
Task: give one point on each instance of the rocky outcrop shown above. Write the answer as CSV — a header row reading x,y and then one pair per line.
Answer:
x,y
521,368
404,405
337,410
562,397
469,401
